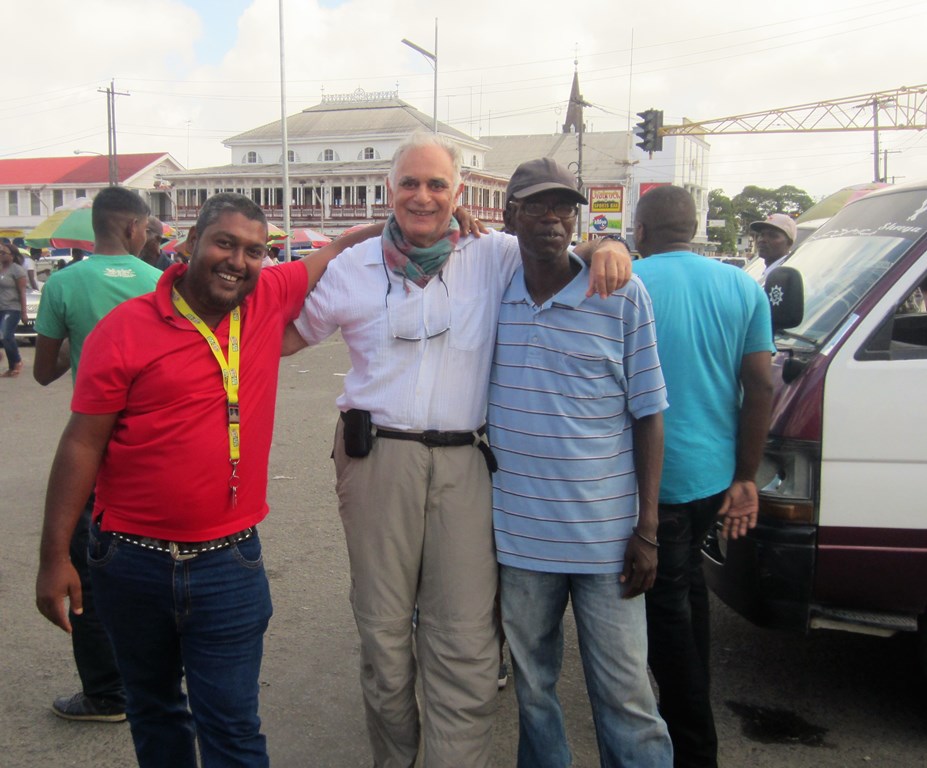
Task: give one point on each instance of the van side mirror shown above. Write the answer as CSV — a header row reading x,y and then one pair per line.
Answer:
x,y
786,293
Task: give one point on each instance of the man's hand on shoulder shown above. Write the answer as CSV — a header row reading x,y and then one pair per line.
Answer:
x,y
609,265
468,223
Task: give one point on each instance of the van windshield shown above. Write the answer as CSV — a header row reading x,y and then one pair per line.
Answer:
x,y
843,259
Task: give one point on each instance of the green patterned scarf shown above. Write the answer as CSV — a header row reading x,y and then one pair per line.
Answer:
x,y
417,264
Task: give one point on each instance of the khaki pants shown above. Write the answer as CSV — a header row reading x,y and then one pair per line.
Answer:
x,y
418,525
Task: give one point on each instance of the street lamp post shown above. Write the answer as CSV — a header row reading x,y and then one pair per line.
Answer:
x,y
433,58
111,163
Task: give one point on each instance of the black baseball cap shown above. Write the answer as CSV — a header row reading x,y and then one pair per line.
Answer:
x,y
541,175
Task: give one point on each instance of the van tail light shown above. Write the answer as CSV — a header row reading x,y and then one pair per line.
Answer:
x,y
787,480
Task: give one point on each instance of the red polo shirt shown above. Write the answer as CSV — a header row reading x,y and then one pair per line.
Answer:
x,y
165,472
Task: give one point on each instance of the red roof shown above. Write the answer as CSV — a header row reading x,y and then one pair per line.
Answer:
x,y
80,169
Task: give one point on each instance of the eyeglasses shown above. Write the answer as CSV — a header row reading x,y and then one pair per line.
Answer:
x,y
563,210
415,319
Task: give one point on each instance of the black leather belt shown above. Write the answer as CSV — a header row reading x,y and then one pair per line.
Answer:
x,y
186,550
433,438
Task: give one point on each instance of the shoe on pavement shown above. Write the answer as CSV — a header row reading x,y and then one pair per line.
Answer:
x,y
81,707
503,675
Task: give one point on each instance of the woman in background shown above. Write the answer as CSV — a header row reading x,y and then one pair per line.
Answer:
x,y
12,306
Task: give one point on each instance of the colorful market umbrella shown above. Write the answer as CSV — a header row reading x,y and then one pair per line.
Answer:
x,y
175,245
355,228
67,228
833,203
308,238
274,232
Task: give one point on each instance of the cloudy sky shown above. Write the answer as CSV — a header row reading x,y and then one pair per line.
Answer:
x,y
199,71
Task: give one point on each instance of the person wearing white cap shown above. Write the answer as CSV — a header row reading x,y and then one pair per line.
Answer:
x,y
774,238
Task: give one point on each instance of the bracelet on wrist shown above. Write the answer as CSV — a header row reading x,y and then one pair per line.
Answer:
x,y
652,542
617,239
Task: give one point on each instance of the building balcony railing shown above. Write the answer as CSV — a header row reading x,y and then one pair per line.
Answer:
x,y
311,215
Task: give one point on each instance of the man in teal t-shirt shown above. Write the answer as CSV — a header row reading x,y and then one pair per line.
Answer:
x,y
714,338
73,302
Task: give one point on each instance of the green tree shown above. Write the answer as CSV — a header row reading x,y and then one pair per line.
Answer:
x,y
793,201
756,203
720,207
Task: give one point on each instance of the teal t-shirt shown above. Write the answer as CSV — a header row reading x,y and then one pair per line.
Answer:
x,y
75,299
708,315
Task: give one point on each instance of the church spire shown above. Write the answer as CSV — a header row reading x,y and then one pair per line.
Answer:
x,y
574,115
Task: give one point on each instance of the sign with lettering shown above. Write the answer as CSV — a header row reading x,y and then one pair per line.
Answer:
x,y
606,206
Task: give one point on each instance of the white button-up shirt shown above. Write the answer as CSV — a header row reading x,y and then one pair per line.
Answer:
x,y
420,358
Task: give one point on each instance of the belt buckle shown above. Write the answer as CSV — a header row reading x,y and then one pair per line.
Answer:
x,y
432,438
176,553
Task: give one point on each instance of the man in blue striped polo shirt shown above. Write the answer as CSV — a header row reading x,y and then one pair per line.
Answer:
x,y
575,401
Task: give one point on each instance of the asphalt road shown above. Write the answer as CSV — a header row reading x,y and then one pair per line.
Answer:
x,y
833,700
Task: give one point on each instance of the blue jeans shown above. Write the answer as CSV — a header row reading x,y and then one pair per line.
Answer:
x,y
679,631
93,652
204,618
613,645
9,319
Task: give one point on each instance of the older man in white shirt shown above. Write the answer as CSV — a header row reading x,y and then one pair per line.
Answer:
x,y
417,308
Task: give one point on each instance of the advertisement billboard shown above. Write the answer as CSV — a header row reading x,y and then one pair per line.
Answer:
x,y
606,208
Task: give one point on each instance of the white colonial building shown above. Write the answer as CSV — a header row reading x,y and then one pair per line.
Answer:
x,y
340,152
339,156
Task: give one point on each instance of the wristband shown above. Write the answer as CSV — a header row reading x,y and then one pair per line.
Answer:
x,y
617,239
651,542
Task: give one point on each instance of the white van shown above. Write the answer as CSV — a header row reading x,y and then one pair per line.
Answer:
x,y
841,541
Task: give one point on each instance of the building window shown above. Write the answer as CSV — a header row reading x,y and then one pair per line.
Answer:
x,y
328,156
80,193
474,163
252,157
57,198
35,204
13,202
378,195
292,157
368,153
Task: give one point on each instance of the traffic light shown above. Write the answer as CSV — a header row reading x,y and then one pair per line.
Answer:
x,y
648,130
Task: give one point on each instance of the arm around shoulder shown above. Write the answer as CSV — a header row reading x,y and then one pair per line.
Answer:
x,y
317,261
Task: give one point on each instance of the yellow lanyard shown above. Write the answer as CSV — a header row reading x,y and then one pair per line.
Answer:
x,y
229,377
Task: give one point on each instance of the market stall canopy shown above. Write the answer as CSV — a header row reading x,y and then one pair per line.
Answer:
x,y
308,238
67,228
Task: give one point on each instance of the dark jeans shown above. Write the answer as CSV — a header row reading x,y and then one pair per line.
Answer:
x,y
9,319
204,618
93,653
678,632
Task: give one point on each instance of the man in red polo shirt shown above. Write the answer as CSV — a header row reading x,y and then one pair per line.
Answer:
x,y
172,417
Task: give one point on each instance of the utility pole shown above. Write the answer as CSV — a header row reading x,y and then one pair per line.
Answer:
x,y
285,161
112,153
875,140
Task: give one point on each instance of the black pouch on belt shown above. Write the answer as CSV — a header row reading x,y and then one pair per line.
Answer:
x,y
358,433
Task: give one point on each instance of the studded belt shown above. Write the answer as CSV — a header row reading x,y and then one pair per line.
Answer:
x,y
186,550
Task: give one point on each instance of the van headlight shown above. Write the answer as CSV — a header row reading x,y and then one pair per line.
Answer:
x,y
787,480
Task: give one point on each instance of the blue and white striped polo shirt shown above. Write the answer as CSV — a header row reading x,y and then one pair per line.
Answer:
x,y
566,380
